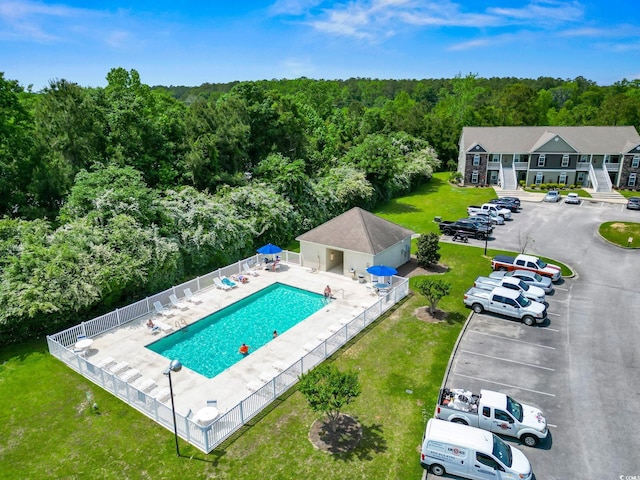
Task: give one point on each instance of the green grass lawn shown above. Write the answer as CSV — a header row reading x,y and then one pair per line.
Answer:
x,y
620,232
629,193
49,429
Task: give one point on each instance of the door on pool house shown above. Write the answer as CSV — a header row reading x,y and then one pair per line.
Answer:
x,y
334,260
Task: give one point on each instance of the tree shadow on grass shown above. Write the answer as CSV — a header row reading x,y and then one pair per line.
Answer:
x,y
371,443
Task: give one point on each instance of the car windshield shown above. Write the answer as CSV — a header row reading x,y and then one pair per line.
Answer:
x,y
524,286
502,451
514,408
541,263
537,277
523,302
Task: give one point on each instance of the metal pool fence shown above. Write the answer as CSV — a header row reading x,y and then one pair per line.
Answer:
x,y
208,437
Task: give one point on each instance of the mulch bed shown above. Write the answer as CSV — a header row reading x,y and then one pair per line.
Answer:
x,y
347,434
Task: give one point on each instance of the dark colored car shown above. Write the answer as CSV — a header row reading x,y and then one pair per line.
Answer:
x,y
500,202
633,203
515,200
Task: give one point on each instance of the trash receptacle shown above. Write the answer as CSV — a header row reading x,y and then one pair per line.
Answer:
x,y
437,219
361,278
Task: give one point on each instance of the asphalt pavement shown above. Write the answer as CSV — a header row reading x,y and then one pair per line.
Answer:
x,y
582,366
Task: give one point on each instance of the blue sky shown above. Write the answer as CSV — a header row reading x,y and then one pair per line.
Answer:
x,y
190,43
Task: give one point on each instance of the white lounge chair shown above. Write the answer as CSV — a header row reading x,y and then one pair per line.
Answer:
x,y
248,271
160,310
188,294
144,384
218,283
161,394
106,362
163,326
130,375
119,368
177,303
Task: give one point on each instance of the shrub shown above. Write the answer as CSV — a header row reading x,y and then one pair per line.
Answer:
x,y
455,177
428,246
533,186
522,183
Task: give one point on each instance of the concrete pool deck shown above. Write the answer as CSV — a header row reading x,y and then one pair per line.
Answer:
x,y
192,390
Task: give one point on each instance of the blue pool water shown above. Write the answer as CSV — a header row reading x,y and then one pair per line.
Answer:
x,y
210,345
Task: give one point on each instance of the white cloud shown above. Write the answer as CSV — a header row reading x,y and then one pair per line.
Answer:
x,y
375,19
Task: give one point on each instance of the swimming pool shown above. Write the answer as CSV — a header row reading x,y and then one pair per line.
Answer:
x,y
210,345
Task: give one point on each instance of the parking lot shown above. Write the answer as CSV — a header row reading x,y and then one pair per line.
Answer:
x,y
581,367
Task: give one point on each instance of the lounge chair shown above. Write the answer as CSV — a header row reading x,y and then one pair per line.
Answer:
x,y
212,403
106,362
161,394
119,368
188,294
177,303
229,283
160,310
248,271
163,326
218,283
144,384
130,375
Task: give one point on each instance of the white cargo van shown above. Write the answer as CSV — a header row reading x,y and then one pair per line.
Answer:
x,y
471,453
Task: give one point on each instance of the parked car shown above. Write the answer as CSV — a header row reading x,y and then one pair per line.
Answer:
x,y
572,198
532,278
515,200
499,202
633,203
495,219
509,205
552,196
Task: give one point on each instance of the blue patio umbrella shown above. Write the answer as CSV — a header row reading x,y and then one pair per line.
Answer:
x,y
269,249
382,271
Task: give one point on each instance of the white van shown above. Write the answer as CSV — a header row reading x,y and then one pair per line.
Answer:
x,y
471,453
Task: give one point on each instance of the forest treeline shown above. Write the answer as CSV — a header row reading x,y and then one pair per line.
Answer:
x,y
109,194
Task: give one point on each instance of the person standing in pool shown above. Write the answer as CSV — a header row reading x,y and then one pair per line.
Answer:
x,y
275,333
244,349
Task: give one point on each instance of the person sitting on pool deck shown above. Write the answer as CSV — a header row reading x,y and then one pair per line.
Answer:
x,y
327,292
244,349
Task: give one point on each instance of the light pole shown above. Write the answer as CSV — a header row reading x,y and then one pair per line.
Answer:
x,y
174,366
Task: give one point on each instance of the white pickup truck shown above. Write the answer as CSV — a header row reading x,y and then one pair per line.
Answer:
x,y
529,291
493,411
490,207
505,302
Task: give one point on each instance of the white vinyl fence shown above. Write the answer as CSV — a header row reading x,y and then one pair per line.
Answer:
x,y
206,438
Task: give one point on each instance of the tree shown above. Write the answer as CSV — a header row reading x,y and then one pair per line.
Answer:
x,y
327,390
428,246
433,289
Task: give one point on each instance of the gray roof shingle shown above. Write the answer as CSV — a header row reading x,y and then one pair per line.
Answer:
x,y
357,230
595,140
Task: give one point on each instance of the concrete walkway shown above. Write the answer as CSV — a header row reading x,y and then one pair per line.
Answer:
x,y
610,197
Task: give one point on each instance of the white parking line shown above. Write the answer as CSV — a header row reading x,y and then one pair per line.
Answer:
x,y
551,329
508,360
552,425
553,314
505,384
562,289
511,339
